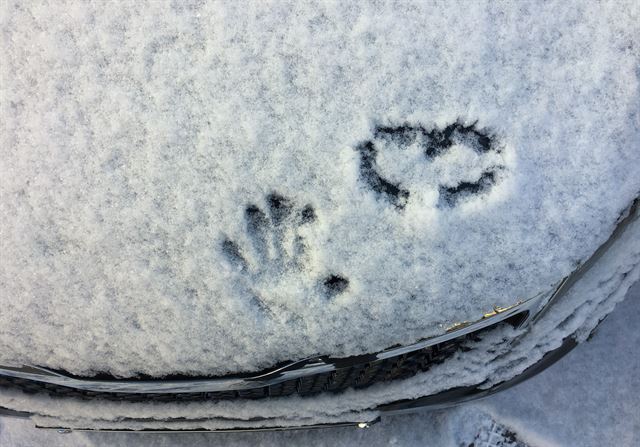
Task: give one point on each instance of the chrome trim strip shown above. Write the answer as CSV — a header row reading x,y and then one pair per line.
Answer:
x,y
532,305
307,367
359,425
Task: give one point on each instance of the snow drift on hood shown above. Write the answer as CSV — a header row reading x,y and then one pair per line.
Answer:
x,y
208,188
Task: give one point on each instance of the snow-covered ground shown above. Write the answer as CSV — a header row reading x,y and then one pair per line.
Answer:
x,y
589,398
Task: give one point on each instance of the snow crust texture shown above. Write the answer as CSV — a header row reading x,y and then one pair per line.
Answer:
x,y
563,406
206,188
500,356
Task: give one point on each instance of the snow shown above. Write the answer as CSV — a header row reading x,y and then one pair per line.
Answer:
x,y
589,398
494,359
136,140
213,188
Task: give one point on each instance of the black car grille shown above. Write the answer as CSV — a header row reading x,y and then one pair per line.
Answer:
x,y
355,372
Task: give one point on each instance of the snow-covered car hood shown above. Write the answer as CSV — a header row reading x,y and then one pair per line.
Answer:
x,y
208,189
